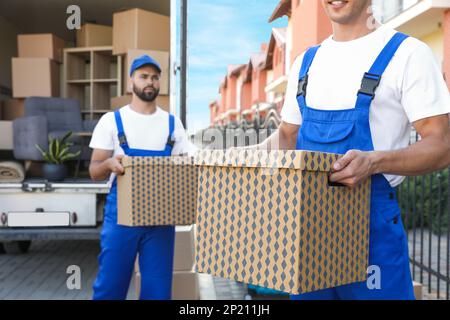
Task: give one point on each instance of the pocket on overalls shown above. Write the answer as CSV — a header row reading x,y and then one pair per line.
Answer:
x,y
389,211
321,132
387,234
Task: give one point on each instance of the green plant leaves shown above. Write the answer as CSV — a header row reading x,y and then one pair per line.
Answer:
x,y
58,150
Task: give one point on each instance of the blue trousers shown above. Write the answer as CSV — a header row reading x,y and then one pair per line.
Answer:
x,y
119,247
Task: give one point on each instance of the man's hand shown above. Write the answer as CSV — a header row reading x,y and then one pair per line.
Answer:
x,y
103,163
430,154
115,164
353,168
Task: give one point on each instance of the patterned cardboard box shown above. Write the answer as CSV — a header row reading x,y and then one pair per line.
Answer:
x,y
272,219
157,191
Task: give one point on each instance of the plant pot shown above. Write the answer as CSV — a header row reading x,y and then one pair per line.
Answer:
x,y
54,172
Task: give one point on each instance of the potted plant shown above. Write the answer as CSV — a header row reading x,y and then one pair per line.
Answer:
x,y
58,153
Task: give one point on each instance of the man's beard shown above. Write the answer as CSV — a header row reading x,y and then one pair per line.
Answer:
x,y
146,96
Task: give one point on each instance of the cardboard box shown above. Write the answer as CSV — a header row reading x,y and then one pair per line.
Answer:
x,y
163,102
94,35
118,102
184,248
140,29
163,60
13,109
137,284
121,101
271,219
45,45
35,77
6,134
418,290
157,191
184,285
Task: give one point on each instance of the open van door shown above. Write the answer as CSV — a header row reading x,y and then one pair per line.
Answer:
x,y
178,54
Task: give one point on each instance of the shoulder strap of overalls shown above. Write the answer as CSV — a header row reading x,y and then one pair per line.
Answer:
x,y
170,142
308,59
121,133
372,79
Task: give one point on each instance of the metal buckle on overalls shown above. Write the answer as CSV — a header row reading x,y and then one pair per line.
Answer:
x,y
302,85
122,139
369,84
170,142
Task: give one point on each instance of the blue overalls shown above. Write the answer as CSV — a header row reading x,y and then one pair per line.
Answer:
x,y
338,132
120,244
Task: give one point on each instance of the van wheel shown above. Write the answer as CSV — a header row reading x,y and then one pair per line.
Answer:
x,y
17,247
2,250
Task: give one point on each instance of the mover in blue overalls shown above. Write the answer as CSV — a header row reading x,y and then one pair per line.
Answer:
x,y
120,244
339,131
350,130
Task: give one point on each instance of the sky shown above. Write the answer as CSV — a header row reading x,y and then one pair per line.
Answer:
x,y
221,32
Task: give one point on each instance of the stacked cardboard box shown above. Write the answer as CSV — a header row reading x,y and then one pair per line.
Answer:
x,y
35,77
163,102
36,71
185,281
6,134
12,109
94,35
160,56
119,102
418,290
140,29
44,45
137,32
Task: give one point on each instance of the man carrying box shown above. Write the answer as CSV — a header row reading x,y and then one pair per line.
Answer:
x,y
328,108
138,129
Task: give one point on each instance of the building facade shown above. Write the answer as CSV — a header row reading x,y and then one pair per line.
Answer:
x,y
261,83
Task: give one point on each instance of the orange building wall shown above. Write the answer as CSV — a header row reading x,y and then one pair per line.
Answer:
x,y
278,63
447,47
262,86
230,102
213,112
310,25
259,78
223,96
246,96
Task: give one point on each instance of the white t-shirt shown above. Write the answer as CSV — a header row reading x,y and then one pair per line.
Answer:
x,y
143,131
412,87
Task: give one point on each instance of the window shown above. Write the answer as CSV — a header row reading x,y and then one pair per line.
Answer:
x,y
385,10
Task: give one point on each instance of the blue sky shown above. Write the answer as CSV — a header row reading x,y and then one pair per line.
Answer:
x,y
221,32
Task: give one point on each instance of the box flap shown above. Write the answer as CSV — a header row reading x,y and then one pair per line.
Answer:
x,y
290,159
150,161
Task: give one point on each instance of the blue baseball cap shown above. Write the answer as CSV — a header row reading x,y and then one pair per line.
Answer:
x,y
143,61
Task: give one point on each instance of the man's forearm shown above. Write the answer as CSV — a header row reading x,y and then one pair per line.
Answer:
x,y
279,141
271,142
285,138
99,170
425,156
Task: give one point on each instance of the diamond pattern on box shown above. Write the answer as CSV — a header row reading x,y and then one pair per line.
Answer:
x,y
271,219
163,190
